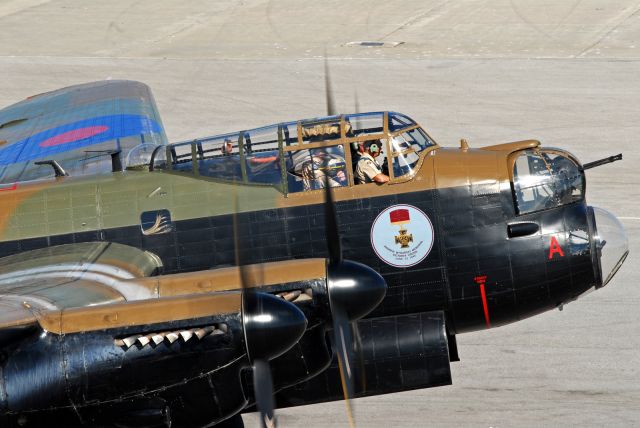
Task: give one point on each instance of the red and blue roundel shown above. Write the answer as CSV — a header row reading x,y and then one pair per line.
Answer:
x,y
72,136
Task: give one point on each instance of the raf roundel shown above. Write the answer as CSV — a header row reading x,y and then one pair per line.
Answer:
x,y
402,235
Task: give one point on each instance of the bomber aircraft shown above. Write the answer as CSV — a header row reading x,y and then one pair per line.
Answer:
x,y
147,283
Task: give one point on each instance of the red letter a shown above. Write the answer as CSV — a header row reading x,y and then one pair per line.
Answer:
x,y
555,248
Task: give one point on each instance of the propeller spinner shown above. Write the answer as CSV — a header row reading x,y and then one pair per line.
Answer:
x,y
271,327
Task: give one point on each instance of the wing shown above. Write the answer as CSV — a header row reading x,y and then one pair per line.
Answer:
x,y
53,279
79,126
73,278
84,324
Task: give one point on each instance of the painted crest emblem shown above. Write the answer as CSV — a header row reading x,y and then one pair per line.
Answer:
x,y
402,235
156,222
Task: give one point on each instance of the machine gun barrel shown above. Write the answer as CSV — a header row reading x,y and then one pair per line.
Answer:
x,y
604,161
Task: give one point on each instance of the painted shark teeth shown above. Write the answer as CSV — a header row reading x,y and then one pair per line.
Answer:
x,y
127,342
158,338
186,335
202,332
170,337
144,340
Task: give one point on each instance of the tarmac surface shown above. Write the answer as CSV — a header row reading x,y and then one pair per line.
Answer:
x,y
564,72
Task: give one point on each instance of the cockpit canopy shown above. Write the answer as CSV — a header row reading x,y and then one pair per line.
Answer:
x,y
545,179
292,156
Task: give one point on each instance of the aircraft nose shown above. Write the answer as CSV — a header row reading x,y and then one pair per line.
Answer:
x,y
611,244
355,287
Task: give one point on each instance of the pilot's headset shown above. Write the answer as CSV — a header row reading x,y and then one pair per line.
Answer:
x,y
373,146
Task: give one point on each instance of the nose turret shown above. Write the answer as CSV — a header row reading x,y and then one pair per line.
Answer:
x,y
611,244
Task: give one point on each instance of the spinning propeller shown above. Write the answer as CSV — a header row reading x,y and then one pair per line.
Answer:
x,y
331,107
354,289
271,327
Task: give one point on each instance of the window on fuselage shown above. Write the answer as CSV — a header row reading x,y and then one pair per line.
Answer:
x,y
365,127
543,180
405,150
362,124
399,121
221,157
262,155
290,133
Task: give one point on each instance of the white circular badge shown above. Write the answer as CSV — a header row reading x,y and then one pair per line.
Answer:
x,y
402,235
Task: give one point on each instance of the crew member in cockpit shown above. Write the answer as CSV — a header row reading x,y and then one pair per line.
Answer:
x,y
227,147
321,167
367,169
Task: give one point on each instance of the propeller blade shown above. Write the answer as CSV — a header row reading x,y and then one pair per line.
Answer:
x,y
343,342
249,278
263,390
332,235
331,107
360,374
245,281
356,123
271,327
254,306
354,290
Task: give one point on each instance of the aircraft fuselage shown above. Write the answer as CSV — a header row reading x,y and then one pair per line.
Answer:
x,y
461,246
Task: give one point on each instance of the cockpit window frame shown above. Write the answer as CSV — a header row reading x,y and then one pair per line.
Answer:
x,y
540,151
393,155
288,141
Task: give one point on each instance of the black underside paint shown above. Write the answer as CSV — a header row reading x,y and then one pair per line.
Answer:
x,y
399,353
84,379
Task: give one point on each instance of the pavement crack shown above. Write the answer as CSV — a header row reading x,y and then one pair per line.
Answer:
x,y
414,19
611,30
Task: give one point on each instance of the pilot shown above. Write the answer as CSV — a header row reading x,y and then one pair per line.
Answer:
x,y
227,148
367,169
323,166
